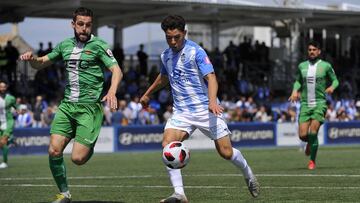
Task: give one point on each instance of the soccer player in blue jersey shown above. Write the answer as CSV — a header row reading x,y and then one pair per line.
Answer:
x,y
194,87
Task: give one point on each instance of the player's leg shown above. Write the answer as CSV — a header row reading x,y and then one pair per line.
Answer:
x,y
57,165
61,133
88,124
5,151
303,135
171,134
225,149
313,141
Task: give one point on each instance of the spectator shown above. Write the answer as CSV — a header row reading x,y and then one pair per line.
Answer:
x,y
24,119
119,55
41,51
12,55
142,57
38,110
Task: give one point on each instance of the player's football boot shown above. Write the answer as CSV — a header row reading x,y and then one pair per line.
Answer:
x,y
175,198
311,165
3,165
61,198
253,186
307,149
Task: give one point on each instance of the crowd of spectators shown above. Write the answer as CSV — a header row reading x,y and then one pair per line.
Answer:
x,y
244,98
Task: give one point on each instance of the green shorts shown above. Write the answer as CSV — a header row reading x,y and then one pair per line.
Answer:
x,y
79,121
9,129
315,113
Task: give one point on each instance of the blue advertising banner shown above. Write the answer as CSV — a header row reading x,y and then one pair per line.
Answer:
x,y
129,138
253,134
31,141
342,132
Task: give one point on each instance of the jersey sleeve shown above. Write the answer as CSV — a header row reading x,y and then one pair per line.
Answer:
x,y
298,79
203,62
332,76
55,54
106,56
163,70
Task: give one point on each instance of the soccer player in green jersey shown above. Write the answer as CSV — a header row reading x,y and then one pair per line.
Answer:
x,y
80,113
311,88
7,102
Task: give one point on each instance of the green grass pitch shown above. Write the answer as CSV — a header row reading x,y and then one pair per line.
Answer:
x,y
141,177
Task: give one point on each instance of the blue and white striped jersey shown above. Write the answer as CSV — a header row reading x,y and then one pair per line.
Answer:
x,y
186,70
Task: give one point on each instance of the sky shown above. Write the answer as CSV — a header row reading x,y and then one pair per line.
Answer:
x,y
36,30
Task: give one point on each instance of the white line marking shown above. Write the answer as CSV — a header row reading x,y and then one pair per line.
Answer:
x,y
195,175
190,187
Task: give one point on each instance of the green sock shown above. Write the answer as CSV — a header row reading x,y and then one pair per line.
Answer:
x,y
5,152
58,170
314,144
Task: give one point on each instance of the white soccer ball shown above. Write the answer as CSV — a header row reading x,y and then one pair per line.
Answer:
x,y
176,155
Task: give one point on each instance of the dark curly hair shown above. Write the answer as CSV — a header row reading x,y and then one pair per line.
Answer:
x,y
173,22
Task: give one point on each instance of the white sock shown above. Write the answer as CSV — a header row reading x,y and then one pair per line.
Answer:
x,y
66,194
239,161
176,180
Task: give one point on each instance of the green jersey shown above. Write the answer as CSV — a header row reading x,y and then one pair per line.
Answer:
x,y
312,79
85,66
6,117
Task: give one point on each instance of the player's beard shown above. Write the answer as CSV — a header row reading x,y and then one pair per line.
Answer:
x,y
77,36
313,59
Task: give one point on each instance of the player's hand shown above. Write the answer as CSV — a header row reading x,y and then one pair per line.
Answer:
x,y
111,100
27,56
295,95
329,90
215,108
144,101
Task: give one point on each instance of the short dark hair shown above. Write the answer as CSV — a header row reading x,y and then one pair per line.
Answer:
x,y
173,22
314,43
82,11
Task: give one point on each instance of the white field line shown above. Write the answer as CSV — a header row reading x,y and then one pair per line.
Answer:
x,y
190,187
196,175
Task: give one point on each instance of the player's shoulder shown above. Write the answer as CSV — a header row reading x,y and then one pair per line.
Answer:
x,y
304,63
10,96
325,63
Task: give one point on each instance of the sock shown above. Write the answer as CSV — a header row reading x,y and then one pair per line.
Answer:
x,y
5,151
239,161
58,170
176,180
314,144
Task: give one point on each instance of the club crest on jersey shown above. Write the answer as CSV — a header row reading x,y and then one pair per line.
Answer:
x,y
87,52
182,58
109,53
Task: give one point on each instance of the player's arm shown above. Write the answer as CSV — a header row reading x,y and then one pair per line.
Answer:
x,y
334,81
295,94
36,62
116,77
160,82
214,107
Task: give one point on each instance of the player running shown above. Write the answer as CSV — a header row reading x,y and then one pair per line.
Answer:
x,y
190,73
80,113
7,102
310,87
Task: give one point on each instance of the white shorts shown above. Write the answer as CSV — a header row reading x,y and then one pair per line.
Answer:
x,y
208,123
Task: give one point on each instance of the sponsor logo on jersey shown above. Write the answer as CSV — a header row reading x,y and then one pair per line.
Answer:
x,y
87,52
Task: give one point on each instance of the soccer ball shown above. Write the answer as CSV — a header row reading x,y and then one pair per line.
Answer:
x,y
175,155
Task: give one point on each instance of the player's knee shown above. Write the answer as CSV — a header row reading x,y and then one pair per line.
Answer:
x,y
78,160
53,152
226,153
